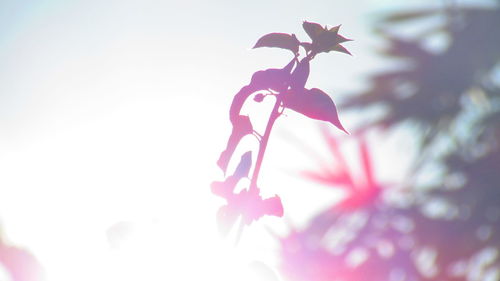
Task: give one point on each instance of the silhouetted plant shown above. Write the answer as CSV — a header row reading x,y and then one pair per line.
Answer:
x,y
287,86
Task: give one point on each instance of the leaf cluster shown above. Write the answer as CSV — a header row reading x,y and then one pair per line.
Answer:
x,y
452,98
287,86
323,40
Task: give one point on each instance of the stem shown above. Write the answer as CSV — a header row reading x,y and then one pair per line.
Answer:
x,y
263,144
262,149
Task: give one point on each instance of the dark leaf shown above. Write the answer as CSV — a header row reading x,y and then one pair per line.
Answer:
x,y
279,40
288,68
307,46
314,104
238,101
300,75
341,39
340,48
313,29
335,29
323,39
274,78
330,39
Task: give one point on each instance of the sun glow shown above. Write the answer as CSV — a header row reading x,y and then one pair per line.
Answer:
x,y
114,113
120,197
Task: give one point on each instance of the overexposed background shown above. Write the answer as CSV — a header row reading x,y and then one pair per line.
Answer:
x,y
113,114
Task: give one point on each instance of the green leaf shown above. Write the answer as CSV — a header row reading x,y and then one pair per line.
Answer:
x,y
313,29
279,40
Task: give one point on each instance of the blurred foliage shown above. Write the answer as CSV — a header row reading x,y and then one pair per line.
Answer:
x,y
447,86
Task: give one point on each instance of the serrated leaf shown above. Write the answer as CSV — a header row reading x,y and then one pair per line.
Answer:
x,y
315,104
279,40
312,29
340,48
341,39
323,39
329,40
335,29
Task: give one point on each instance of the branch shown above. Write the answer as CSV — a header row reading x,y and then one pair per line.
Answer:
x,y
263,144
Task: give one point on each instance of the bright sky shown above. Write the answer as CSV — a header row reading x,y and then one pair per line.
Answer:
x,y
117,110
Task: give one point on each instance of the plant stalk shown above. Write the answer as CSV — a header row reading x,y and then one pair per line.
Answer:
x,y
263,144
